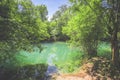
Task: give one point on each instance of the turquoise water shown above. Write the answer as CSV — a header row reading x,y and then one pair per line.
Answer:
x,y
61,52
57,53
104,50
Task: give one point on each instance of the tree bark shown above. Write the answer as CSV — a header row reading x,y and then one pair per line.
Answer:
x,y
114,47
114,39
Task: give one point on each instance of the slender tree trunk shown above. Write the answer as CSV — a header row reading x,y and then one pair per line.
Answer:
x,y
114,40
114,47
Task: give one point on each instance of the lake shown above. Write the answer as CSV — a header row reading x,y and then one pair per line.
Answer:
x,y
52,53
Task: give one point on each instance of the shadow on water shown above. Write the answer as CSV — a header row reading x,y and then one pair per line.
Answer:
x,y
29,72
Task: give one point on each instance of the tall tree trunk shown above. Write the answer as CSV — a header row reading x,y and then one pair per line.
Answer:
x,y
114,46
114,40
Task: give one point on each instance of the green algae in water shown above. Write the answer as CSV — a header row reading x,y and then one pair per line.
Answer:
x,y
60,49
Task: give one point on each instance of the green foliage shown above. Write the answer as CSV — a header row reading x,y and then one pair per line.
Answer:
x,y
59,20
85,27
75,59
22,25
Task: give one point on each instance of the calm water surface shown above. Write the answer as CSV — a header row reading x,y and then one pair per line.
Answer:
x,y
52,53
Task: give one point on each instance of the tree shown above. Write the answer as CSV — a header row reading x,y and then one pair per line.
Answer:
x,y
112,16
5,18
42,9
84,27
60,19
108,16
21,27
34,20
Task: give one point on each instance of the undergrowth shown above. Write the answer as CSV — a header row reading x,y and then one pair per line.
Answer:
x,y
78,58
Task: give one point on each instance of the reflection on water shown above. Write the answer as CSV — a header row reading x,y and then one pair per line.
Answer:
x,y
52,69
51,58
